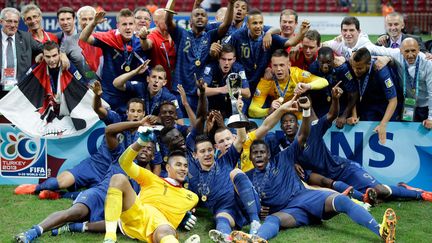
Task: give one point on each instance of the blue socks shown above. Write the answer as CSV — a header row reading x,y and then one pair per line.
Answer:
x,y
341,186
357,213
50,184
33,233
269,228
402,192
223,225
247,195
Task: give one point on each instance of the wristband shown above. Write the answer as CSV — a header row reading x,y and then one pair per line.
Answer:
x,y
306,113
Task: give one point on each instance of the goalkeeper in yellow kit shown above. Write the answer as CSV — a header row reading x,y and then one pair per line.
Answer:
x,y
155,213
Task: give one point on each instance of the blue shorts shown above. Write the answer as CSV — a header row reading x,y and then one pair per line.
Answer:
x,y
86,174
237,211
354,175
94,199
308,206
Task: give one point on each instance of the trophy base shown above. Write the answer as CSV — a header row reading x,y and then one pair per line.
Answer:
x,y
238,121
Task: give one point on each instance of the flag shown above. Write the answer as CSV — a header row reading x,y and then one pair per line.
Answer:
x,y
37,110
93,56
113,39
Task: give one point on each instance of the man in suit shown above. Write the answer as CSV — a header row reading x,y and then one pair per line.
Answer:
x,y
394,23
18,48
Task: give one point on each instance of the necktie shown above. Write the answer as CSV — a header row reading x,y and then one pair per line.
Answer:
x,y
394,45
9,54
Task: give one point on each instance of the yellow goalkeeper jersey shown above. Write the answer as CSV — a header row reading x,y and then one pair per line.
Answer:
x,y
268,88
171,200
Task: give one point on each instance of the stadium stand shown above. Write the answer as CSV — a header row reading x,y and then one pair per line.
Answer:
x,y
321,6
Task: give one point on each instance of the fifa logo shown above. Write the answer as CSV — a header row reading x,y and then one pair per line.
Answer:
x,y
22,156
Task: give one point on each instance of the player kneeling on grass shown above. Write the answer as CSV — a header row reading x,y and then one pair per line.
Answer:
x,y
151,216
290,203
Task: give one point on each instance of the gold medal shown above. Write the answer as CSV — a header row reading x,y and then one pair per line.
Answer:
x,y
186,185
281,99
328,98
127,68
197,63
203,198
255,66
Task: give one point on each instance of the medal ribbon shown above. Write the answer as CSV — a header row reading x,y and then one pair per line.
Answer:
x,y
362,89
203,186
252,48
413,81
197,46
166,55
281,94
260,186
152,101
127,56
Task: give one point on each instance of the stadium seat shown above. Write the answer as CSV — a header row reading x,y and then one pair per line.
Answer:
x,y
332,8
408,8
277,8
299,8
266,7
320,8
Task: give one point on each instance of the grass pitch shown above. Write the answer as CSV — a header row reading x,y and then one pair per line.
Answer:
x,y
19,213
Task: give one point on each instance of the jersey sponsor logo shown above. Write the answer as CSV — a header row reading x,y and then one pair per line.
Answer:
x,y
306,74
257,92
388,83
348,75
207,70
242,74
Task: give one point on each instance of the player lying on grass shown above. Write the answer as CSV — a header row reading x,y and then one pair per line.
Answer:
x,y
318,158
290,203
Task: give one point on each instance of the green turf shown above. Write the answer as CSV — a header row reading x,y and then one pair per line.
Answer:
x,y
18,213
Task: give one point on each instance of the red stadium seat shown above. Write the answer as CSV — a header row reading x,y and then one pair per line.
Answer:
x,y
408,9
277,8
332,9
299,8
266,7
320,8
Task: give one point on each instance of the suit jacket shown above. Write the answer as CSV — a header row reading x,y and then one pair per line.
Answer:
x,y
417,38
26,47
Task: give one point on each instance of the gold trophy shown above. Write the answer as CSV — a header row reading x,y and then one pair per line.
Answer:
x,y
237,119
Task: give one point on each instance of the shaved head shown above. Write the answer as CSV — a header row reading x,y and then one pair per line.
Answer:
x,y
409,41
410,49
